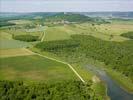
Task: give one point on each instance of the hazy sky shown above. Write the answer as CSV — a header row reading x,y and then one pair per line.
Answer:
x,y
65,5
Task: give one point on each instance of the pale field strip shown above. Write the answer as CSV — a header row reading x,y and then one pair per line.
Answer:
x,y
14,52
60,62
43,37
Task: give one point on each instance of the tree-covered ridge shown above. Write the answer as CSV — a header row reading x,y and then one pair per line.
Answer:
x,y
71,17
6,23
67,17
128,35
117,55
69,90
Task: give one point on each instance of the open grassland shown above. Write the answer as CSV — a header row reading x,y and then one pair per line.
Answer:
x,y
34,68
109,32
14,52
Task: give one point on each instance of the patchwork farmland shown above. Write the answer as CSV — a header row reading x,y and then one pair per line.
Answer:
x,y
53,57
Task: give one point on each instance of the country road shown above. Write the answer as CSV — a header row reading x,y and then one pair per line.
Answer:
x,y
70,66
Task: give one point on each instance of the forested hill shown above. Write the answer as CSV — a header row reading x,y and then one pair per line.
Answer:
x,y
72,17
68,17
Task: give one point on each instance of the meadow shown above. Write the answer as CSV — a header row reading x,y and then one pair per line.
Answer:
x,y
108,32
34,68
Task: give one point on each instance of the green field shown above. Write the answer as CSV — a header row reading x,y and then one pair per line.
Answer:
x,y
34,68
109,32
55,33
12,44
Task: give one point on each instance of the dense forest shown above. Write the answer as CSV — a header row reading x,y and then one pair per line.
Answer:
x,y
6,23
116,55
128,35
52,46
74,18
27,38
64,90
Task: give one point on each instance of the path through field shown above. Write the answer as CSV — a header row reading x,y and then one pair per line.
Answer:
x,y
43,37
60,62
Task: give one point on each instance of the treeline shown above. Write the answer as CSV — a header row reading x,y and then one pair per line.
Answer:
x,y
6,23
71,17
67,17
116,55
27,38
128,35
64,90
60,44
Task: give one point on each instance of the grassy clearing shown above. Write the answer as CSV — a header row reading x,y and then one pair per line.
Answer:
x,y
14,52
55,33
34,68
100,90
87,75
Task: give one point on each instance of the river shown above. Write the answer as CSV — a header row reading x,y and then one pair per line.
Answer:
x,y
114,91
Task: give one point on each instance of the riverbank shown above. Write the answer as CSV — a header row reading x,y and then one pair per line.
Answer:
x,y
124,82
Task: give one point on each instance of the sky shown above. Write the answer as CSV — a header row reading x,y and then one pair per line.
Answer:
x,y
65,5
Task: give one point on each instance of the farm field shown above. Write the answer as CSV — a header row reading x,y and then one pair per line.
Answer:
x,y
5,36
12,44
34,68
109,32
14,52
